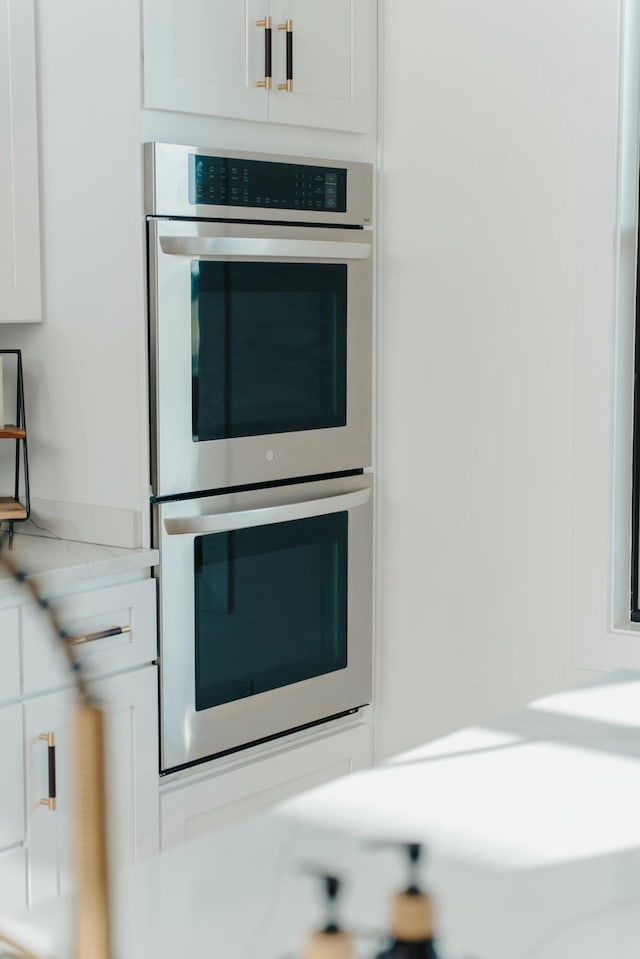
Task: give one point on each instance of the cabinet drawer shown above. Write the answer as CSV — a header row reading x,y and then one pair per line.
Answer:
x,y
12,788
253,785
10,654
131,606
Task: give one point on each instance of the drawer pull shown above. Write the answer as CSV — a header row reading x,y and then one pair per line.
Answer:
x,y
288,26
50,801
101,634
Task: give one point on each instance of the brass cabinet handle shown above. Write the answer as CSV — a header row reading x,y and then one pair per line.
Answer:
x,y
288,26
50,801
101,634
266,83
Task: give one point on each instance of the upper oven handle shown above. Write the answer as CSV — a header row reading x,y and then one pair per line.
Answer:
x,y
244,518
230,246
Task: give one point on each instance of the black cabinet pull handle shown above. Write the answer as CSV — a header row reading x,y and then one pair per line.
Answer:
x,y
266,83
288,26
50,801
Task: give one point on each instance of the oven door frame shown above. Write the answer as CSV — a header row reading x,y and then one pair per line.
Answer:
x,y
189,736
179,464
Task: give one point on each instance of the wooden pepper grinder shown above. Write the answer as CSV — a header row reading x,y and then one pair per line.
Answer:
x,y
331,942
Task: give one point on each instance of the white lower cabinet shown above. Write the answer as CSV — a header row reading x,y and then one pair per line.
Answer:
x,y
12,779
246,786
13,880
130,702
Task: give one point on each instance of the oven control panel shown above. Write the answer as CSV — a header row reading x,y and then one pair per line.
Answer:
x,y
226,181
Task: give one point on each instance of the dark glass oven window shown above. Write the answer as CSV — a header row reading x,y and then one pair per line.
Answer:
x,y
270,607
269,348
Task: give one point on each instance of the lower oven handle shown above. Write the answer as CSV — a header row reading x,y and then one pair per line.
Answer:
x,y
256,246
242,519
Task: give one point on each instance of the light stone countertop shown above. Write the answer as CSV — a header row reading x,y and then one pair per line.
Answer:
x,y
531,826
59,563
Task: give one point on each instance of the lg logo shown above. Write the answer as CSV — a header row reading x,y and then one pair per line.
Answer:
x,y
272,455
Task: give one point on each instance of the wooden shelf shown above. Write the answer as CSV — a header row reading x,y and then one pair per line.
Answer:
x,y
9,432
15,509
11,509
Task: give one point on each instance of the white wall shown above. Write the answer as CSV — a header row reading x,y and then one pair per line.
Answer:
x,y
499,138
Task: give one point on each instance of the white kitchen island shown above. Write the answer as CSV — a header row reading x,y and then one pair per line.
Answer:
x,y
532,830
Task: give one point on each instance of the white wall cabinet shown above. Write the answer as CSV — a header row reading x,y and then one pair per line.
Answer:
x,y
334,57
245,786
132,777
207,57
20,296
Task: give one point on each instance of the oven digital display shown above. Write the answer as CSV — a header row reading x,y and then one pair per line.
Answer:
x,y
225,181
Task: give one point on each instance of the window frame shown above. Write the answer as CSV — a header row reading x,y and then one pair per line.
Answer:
x,y
604,635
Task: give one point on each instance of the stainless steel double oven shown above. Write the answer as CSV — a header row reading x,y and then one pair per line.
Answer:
x,y
260,293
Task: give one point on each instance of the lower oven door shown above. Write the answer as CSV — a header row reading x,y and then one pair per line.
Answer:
x,y
265,613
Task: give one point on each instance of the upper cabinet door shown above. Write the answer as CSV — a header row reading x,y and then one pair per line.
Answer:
x,y
205,56
208,56
333,83
20,298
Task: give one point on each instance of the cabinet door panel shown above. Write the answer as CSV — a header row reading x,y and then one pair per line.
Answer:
x,y
13,880
321,48
334,55
48,832
130,701
10,668
231,792
12,778
19,195
209,41
205,56
132,762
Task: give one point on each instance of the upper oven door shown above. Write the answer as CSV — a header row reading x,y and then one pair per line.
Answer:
x,y
261,352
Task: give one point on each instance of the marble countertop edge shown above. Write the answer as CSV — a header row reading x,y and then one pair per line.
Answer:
x,y
56,562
